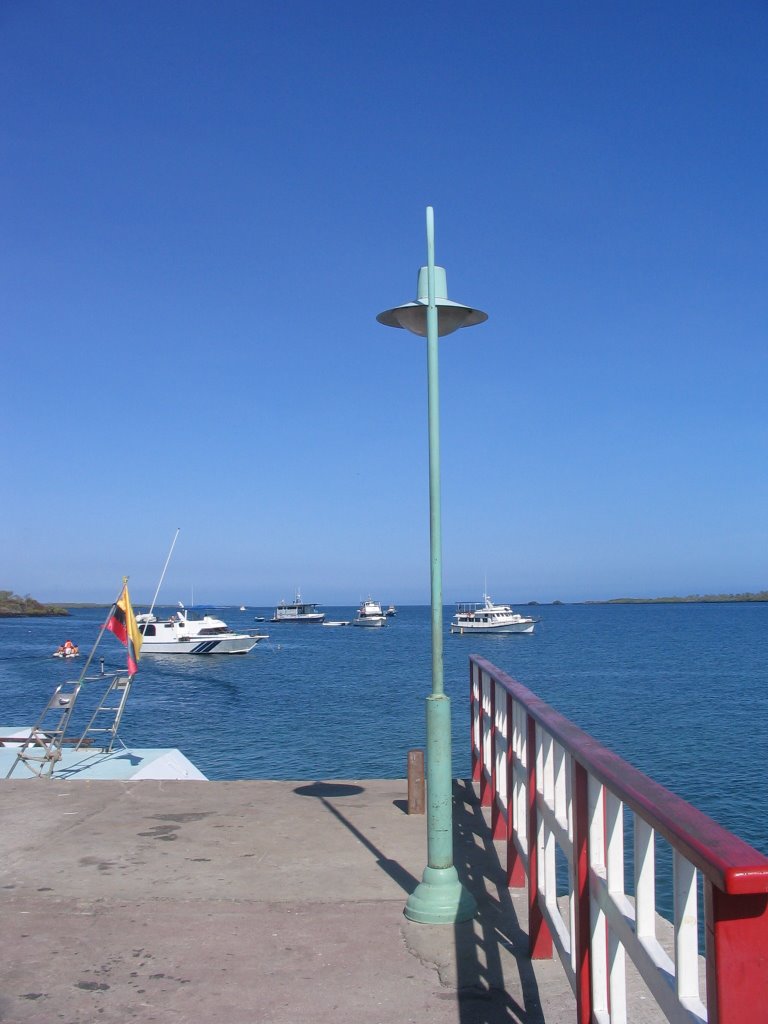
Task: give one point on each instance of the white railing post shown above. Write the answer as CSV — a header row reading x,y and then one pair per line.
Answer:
x,y
500,767
485,759
476,711
598,937
614,822
520,795
548,879
686,929
645,881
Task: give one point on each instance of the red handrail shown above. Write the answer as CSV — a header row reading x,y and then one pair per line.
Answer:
x,y
730,863
736,875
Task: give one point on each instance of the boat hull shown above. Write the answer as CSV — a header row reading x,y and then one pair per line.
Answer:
x,y
370,621
201,645
314,617
512,627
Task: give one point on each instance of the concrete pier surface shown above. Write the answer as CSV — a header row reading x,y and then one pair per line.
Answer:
x,y
252,901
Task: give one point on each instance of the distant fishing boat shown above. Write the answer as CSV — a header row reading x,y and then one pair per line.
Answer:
x,y
489,618
370,614
297,611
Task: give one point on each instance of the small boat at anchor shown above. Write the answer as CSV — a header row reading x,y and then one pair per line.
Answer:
x,y
67,650
370,614
489,618
183,633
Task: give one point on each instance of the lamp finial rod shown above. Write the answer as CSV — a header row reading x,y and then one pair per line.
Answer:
x,y
430,258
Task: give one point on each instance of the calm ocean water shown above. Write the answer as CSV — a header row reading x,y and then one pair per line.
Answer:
x,y
680,691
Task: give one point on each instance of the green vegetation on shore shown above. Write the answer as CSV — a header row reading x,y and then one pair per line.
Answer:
x,y
13,606
761,595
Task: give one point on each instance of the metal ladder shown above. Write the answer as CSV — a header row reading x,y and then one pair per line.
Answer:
x,y
112,703
40,751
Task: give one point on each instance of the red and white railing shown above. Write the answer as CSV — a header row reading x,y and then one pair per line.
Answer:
x,y
550,785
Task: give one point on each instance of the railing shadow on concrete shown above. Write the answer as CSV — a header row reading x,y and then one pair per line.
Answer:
x,y
484,948
494,943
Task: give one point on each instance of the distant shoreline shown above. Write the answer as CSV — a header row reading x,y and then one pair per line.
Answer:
x,y
12,606
691,599
23,607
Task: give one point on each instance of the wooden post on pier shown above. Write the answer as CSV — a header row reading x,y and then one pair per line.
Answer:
x,y
416,801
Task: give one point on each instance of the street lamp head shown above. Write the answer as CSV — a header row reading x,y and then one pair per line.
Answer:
x,y
450,315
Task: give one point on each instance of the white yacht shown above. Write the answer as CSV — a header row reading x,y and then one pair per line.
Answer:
x,y
184,634
489,618
370,614
391,611
297,611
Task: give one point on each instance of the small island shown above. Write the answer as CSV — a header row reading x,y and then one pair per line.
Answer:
x,y
13,606
761,595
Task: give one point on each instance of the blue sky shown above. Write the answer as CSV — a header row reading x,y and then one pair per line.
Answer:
x,y
204,207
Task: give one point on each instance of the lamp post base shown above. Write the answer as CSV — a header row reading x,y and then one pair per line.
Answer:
x,y
440,898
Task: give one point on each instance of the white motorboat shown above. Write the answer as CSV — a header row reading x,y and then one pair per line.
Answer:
x,y
370,614
297,611
391,611
490,618
184,634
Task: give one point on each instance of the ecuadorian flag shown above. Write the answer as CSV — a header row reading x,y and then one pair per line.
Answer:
x,y
122,622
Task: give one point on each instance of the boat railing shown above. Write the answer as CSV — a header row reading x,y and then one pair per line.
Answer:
x,y
559,798
467,607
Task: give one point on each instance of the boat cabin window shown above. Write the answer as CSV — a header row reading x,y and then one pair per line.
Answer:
x,y
147,629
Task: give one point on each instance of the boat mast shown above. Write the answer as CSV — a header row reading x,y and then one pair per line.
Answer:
x,y
162,574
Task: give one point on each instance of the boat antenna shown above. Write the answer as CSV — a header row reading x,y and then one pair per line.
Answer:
x,y
162,574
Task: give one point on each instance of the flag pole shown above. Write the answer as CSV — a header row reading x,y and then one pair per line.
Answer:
x,y
102,631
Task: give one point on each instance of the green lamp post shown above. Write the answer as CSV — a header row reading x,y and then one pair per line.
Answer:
x,y
440,897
